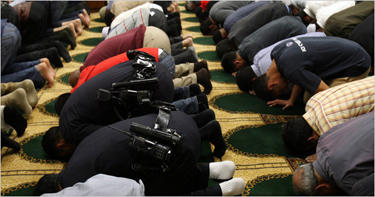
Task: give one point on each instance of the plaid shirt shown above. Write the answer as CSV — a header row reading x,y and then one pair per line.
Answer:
x,y
338,104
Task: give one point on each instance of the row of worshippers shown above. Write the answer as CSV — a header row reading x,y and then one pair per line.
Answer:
x,y
321,52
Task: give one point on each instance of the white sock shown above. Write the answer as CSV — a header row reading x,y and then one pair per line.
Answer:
x,y
222,170
232,187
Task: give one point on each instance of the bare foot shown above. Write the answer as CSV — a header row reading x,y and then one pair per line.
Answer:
x,y
171,8
310,158
47,62
187,36
187,42
87,16
78,26
176,7
85,20
46,73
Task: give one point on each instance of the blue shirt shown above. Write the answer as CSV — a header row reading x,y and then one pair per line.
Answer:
x,y
262,60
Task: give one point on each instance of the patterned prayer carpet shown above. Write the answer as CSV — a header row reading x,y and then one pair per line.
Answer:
x,y
250,128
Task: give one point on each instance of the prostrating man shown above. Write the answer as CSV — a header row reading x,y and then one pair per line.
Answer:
x,y
261,62
345,161
256,19
234,17
83,113
218,13
325,110
270,33
166,165
312,64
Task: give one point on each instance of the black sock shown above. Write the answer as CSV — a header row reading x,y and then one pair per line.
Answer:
x,y
199,65
195,89
64,53
7,142
204,78
202,102
15,119
212,133
54,57
67,36
204,117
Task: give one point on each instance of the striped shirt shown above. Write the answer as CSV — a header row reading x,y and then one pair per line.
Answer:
x,y
338,104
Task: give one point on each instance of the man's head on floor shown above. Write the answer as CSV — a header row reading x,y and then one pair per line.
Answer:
x,y
245,77
269,86
306,181
298,136
232,61
55,145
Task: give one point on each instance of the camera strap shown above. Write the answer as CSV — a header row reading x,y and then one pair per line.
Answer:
x,y
162,120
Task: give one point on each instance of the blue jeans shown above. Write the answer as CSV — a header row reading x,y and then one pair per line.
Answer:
x,y
184,102
23,70
10,44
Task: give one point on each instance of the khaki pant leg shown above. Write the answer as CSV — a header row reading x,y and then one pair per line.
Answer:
x,y
156,38
183,70
185,80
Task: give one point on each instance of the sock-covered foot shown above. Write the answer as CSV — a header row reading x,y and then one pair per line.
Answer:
x,y
67,36
203,78
223,170
212,133
202,102
232,187
203,118
54,57
15,119
7,142
18,99
194,89
32,95
199,65
64,53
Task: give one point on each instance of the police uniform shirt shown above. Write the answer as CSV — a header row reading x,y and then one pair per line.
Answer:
x,y
308,60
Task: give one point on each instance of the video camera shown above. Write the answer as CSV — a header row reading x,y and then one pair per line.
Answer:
x,y
142,65
151,148
132,101
132,96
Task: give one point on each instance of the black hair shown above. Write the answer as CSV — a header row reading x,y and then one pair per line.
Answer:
x,y
302,14
205,26
47,184
210,4
295,134
60,102
203,16
261,88
244,78
108,18
198,11
217,37
223,47
50,140
227,62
